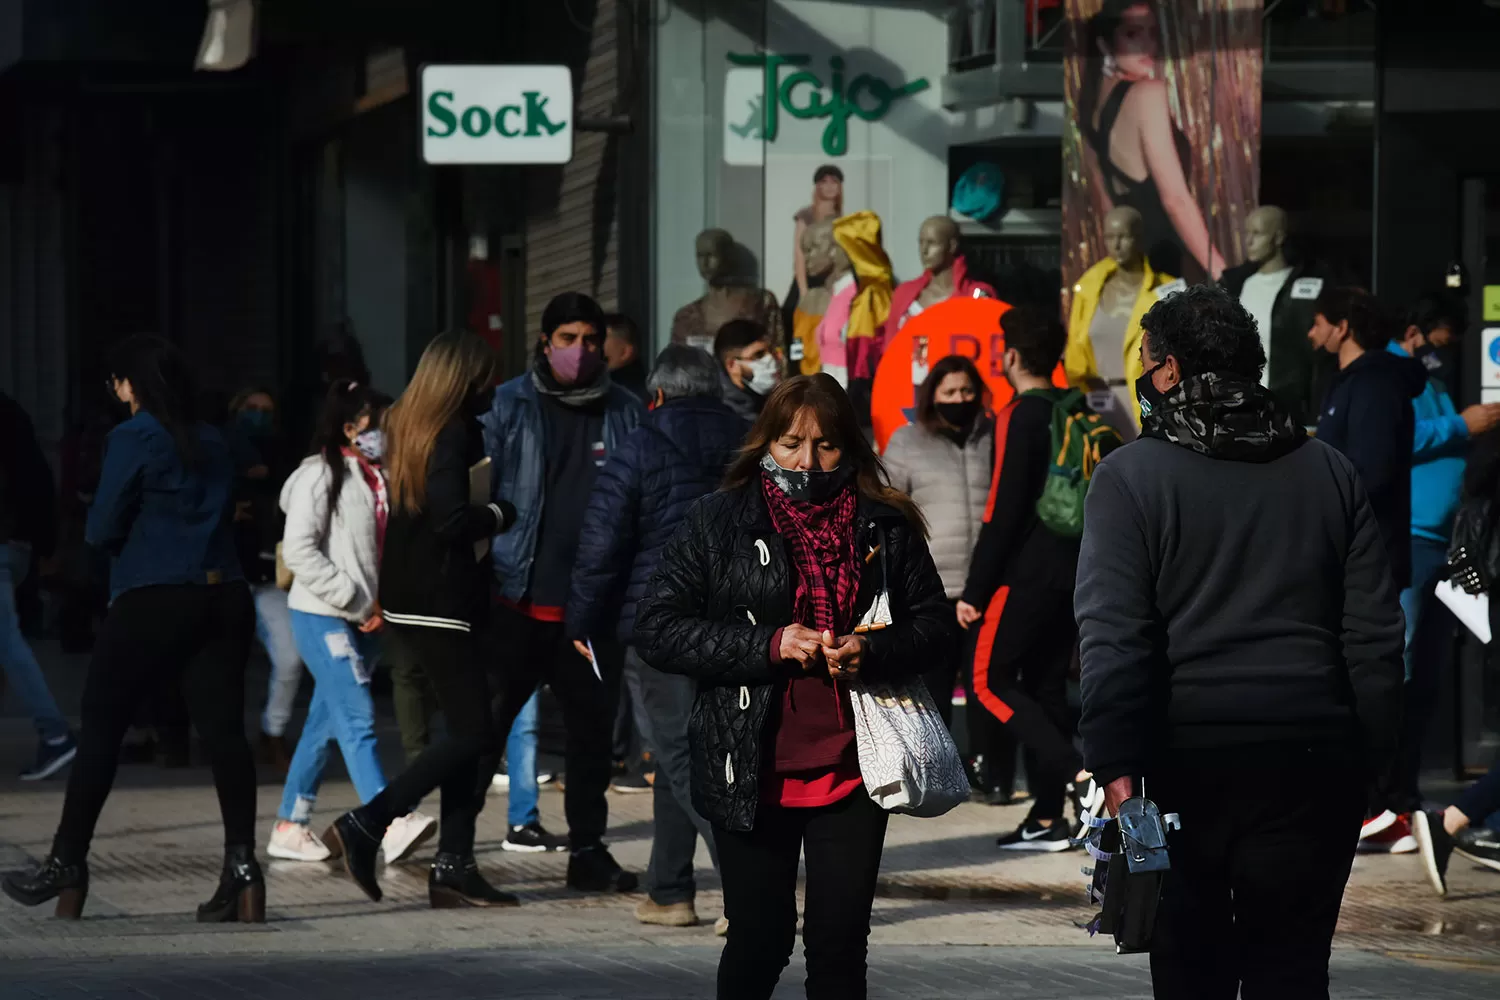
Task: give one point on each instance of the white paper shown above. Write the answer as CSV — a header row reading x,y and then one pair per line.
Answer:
x,y
1473,611
593,660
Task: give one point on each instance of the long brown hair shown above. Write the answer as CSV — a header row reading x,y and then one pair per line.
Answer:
x,y
453,368
927,391
829,403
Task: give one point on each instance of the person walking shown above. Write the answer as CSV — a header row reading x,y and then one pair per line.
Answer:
x,y
336,509
1242,671
676,456
547,434
756,599
28,527
179,610
433,592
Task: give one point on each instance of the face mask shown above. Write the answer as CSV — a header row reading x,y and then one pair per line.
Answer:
x,y
812,486
1149,395
1438,361
574,365
960,415
765,373
371,444
256,423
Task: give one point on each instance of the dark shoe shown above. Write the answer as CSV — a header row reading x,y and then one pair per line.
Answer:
x,y
241,895
1033,836
1436,846
533,838
51,758
359,846
1480,845
631,783
68,884
455,882
594,869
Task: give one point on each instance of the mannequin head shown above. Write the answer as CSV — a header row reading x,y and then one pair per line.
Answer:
x,y
817,248
828,188
713,249
937,243
1265,234
1122,237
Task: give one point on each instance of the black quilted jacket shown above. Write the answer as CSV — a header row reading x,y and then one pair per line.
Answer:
x,y
723,588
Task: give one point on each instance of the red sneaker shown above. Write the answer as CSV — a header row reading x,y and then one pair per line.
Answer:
x,y
1396,838
1378,823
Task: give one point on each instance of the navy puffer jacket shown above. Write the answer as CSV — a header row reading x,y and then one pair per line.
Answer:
x,y
677,455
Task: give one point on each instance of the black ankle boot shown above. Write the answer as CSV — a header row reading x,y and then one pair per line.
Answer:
x,y
241,895
351,838
68,884
455,881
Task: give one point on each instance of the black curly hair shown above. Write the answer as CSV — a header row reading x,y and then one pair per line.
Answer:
x,y
1206,330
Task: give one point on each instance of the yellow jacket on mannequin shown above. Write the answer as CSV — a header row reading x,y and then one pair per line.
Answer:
x,y
1078,359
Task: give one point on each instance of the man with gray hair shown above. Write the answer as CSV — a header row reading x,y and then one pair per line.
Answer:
x,y
677,455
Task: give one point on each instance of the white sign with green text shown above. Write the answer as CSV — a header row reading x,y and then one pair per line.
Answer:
x,y
497,114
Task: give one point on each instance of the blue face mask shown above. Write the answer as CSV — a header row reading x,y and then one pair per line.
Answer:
x,y
256,423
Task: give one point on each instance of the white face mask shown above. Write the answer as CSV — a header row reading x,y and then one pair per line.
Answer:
x,y
371,444
765,372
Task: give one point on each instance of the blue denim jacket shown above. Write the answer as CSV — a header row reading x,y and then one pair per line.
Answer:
x,y
513,441
160,521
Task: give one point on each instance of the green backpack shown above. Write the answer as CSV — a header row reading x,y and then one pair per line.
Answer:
x,y
1080,439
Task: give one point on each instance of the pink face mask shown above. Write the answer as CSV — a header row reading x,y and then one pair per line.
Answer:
x,y
575,365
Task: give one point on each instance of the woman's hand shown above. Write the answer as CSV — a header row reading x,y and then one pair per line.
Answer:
x,y
375,622
967,614
844,654
583,649
802,645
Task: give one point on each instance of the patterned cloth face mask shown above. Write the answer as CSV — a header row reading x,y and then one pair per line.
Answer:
x,y
810,486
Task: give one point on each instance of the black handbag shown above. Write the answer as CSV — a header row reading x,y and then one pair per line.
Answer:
x,y
1474,552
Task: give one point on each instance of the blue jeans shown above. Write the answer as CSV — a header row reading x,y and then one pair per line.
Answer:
x,y
273,627
520,764
340,658
22,671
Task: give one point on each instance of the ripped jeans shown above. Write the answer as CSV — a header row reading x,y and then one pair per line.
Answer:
x,y
341,659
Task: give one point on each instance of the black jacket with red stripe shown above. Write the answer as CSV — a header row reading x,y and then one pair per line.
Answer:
x,y
1014,549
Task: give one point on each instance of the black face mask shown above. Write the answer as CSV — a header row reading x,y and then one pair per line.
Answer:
x,y
960,415
1439,363
812,486
1147,393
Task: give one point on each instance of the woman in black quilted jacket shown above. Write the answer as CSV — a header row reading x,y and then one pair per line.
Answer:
x,y
766,595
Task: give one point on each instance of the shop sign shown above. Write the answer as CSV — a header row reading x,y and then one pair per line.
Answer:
x,y
497,114
1489,365
756,95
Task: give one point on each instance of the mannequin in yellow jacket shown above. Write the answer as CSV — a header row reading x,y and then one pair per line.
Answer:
x,y
1125,286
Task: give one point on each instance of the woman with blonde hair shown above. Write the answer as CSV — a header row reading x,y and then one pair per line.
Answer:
x,y
433,592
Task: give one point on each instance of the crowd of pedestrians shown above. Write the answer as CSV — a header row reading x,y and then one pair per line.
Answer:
x,y
705,558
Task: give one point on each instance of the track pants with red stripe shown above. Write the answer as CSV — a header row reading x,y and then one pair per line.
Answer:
x,y
1021,660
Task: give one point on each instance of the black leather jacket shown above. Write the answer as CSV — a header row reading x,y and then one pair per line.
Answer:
x,y
722,590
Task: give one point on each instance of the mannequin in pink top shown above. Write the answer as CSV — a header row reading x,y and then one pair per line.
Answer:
x,y
945,276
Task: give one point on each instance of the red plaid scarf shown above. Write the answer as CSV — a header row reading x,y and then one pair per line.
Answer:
x,y
820,540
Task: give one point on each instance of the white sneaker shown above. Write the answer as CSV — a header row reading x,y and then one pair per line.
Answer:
x,y
500,783
295,842
406,834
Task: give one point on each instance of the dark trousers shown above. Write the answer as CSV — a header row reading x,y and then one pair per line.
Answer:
x,y
461,762
1482,799
676,825
988,740
536,652
843,843
1258,875
197,636
1429,649
413,699
1021,659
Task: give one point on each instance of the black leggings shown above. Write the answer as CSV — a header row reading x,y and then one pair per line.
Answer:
x,y
462,762
155,637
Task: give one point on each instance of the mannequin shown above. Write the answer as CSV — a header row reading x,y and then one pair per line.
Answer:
x,y
848,336
820,252
945,275
1104,327
1280,296
696,323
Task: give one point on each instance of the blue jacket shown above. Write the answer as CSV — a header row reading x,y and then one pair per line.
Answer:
x,y
513,430
161,521
678,455
1440,441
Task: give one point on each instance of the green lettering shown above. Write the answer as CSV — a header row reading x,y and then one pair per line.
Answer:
x,y
476,121
500,126
815,106
536,114
444,115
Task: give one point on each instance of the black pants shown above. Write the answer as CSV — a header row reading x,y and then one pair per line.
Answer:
x,y
156,637
843,843
534,652
989,740
1258,875
461,762
1021,660
676,825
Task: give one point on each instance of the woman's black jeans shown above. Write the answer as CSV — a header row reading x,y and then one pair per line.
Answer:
x,y
196,635
843,843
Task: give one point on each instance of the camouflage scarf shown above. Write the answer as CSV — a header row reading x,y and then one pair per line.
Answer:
x,y
1225,416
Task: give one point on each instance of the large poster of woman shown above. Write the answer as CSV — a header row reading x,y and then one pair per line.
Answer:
x,y
1163,100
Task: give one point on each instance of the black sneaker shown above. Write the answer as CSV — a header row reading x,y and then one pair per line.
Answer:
x,y
51,758
1033,836
533,838
1480,845
594,869
1436,846
630,783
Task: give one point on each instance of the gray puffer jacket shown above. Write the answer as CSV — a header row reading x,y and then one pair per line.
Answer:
x,y
951,485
